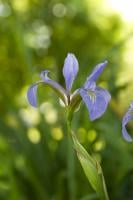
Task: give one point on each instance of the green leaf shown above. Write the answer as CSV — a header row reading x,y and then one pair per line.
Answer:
x,y
92,169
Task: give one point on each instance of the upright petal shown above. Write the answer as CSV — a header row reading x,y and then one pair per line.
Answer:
x,y
95,73
70,70
96,101
127,117
32,96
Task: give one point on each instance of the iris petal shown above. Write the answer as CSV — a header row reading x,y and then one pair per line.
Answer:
x,y
54,85
31,95
50,82
95,73
95,101
127,117
70,70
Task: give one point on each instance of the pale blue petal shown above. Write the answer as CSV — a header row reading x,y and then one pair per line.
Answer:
x,y
104,93
95,73
32,91
96,101
70,70
127,117
50,82
54,85
32,95
91,85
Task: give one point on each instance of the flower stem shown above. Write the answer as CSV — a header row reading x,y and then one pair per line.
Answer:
x,y
88,165
106,197
70,164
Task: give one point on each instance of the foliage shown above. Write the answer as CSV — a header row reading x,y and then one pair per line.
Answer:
x,y
36,35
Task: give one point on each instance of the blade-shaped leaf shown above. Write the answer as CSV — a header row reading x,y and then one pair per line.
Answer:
x,y
92,170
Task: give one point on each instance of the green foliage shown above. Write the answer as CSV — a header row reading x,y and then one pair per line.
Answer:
x,y
92,170
37,35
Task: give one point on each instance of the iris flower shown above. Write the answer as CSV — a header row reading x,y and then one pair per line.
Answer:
x,y
95,98
127,117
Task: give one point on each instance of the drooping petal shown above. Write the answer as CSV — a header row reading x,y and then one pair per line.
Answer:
x,y
70,70
95,73
96,101
104,93
127,117
54,85
32,96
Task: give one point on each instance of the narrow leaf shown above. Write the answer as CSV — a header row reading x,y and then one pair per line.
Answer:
x,y
92,170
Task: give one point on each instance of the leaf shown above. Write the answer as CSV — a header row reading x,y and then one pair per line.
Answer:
x,y
92,170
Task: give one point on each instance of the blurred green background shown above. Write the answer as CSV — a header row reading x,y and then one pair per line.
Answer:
x,y
37,35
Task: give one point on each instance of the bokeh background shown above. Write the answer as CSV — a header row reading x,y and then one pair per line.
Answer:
x,y
37,35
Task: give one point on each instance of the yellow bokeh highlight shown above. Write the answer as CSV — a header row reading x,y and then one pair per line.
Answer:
x,y
51,117
30,116
34,135
91,136
99,145
57,133
49,112
20,5
59,10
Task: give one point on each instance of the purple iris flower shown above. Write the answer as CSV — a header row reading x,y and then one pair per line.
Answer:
x,y
127,117
95,98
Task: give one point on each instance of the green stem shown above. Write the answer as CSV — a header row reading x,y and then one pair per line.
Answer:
x,y
70,164
106,197
101,189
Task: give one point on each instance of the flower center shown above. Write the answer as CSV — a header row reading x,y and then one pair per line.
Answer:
x,y
91,95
